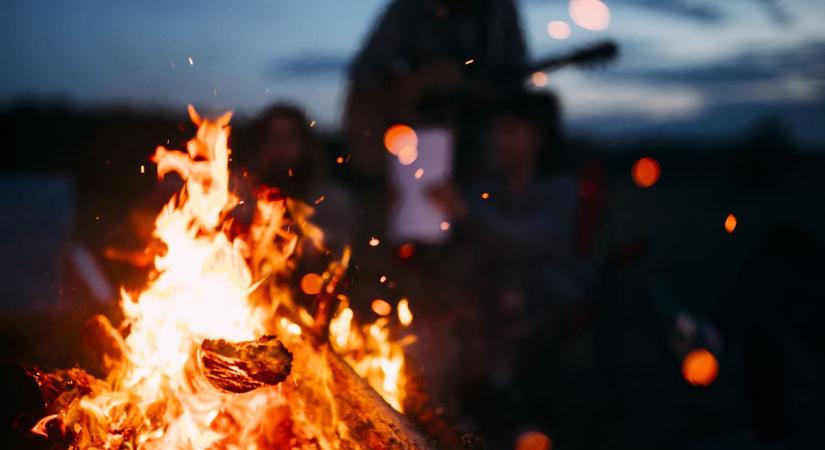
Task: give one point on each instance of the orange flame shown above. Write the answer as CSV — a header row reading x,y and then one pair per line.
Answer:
x,y
201,290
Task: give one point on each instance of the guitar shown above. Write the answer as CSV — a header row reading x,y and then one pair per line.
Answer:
x,y
370,110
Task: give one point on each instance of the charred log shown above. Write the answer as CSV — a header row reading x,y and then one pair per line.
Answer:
x,y
239,367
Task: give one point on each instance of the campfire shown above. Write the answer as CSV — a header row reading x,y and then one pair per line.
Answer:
x,y
214,352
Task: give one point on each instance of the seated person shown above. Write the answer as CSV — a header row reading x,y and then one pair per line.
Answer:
x,y
519,226
288,155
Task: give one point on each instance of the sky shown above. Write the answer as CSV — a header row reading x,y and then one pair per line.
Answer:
x,y
698,67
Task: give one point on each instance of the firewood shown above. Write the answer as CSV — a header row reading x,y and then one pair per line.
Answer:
x,y
239,367
326,392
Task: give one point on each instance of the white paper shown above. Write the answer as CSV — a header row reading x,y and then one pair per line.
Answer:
x,y
414,217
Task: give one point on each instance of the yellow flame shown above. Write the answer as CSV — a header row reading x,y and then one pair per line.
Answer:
x,y
155,398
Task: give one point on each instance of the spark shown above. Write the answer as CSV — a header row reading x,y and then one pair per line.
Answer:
x,y
469,61
485,195
191,61
374,242
405,316
419,173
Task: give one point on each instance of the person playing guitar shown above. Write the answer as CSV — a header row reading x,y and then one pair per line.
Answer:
x,y
439,63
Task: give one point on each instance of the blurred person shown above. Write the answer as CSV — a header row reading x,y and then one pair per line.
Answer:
x,y
520,227
772,311
288,155
421,53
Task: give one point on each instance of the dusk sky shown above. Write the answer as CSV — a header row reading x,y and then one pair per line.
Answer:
x,y
698,67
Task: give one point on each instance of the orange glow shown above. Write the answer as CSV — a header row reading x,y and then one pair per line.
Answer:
x,y
730,223
539,79
485,195
700,368
407,155
533,440
405,316
156,396
311,283
381,307
444,226
593,15
406,251
400,137
339,160
419,173
374,242
558,29
646,172
469,61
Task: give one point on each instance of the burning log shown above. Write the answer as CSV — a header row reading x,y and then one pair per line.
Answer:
x,y
342,407
244,366
167,387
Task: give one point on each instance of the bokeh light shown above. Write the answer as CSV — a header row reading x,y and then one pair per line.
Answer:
x,y
311,283
399,138
558,29
381,307
646,172
405,315
593,15
539,79
730,223
406,251
407,155
534,440
700,368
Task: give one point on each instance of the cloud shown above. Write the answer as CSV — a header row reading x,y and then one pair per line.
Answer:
x,y
313,64
761,75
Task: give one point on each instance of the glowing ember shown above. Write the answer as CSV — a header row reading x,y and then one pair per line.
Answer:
x,y
700,368
405,316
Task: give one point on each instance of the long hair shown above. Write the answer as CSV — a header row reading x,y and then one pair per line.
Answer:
x,y
309,166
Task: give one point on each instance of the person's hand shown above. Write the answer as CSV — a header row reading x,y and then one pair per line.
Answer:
x,y
447,199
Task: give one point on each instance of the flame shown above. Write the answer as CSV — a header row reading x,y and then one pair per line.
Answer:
x,y
154,397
